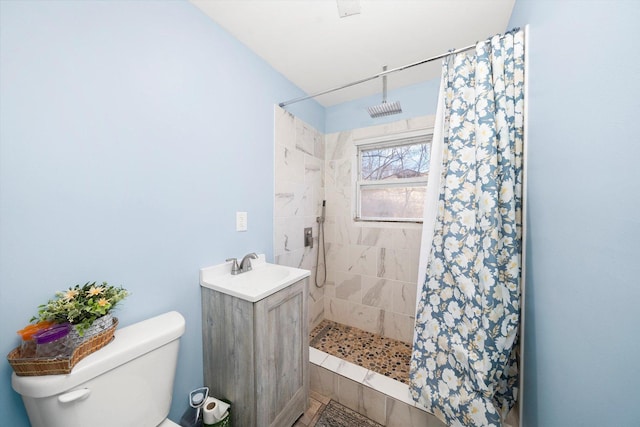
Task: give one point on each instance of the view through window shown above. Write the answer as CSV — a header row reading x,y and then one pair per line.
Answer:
x,y
392,178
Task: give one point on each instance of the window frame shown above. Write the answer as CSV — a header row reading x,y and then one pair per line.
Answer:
x,y
381,142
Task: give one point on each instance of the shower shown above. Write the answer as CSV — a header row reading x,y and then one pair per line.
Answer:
x,y
375,282
350,281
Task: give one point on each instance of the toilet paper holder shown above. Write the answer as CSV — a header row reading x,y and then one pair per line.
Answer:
x,y
206,411
197,399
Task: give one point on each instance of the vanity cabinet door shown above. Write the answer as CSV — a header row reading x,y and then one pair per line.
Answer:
x,y
228,353
282,356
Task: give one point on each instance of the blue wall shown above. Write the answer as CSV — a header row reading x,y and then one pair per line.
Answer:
x,y
420,99
131,133
582,316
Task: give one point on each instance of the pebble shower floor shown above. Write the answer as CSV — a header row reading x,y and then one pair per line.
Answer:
x,y
385,356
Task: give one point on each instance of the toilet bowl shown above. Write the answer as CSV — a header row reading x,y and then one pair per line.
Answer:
x,y
129,382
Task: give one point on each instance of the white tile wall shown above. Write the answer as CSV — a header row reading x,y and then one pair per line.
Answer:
x,y
371,268
299,191
374,267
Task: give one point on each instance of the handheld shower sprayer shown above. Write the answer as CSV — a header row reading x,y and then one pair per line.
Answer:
x,y
320,220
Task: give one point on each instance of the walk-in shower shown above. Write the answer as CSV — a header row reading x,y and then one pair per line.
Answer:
x,y
372,281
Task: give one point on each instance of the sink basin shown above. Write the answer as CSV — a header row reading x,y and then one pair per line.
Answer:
x,y
263,280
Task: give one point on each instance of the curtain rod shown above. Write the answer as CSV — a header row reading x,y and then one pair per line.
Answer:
x,y
384,73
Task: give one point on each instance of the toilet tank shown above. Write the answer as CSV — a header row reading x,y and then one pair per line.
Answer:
x,y
129,382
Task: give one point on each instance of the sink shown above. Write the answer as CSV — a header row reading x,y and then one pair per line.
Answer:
x,y
263,280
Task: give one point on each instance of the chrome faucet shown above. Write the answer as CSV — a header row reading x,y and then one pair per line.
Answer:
x,y
245,264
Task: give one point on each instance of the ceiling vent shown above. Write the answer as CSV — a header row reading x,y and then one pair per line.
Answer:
x,y
348,7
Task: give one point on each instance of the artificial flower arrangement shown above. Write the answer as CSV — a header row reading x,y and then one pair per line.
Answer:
x,y
81,305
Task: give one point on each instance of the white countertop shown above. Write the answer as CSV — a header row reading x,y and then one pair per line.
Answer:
x,y
263,280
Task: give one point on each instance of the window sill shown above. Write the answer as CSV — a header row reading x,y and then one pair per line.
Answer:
x,y
386,223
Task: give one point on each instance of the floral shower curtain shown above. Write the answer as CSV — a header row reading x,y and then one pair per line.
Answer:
x,y
463,366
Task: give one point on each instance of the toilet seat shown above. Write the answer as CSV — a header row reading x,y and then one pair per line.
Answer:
x,y
168,423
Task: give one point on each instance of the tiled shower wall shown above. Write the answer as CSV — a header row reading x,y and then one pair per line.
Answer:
x,y
299,191
372,268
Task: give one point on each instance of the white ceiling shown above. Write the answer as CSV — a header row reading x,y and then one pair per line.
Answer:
x,y
308,42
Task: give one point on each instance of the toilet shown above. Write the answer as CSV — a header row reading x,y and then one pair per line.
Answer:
x,y
129,382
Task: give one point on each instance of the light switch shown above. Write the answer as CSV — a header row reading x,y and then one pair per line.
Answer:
x,y
241,221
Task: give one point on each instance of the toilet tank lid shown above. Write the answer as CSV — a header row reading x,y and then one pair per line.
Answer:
x,y
130,342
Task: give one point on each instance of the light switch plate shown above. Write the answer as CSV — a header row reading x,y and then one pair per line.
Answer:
x,y
241,221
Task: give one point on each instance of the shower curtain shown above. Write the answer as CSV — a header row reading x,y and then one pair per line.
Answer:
x,y
463,365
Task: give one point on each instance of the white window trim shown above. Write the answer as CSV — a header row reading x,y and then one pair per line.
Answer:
x,y
383,141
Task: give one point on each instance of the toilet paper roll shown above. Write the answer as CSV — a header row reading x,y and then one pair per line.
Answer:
x,y
214,410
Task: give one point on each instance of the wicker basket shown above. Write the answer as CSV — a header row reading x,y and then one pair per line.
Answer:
x,y
26,365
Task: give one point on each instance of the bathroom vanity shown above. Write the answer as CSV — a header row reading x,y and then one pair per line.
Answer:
x,y
256,341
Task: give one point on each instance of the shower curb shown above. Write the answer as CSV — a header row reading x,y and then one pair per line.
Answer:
x,y
380,398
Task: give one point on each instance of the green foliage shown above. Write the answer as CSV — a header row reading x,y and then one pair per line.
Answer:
x,y
81,305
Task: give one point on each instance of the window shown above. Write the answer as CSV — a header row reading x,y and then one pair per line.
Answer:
x,y
392,177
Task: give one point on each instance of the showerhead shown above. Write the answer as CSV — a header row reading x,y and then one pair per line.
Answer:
x,y
386,108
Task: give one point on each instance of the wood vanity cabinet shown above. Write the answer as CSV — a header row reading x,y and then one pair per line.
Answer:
x,y
256,354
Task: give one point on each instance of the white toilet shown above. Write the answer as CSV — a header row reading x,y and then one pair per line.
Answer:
x,y
129,382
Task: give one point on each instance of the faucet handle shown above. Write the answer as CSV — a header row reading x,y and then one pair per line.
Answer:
x,y
234,266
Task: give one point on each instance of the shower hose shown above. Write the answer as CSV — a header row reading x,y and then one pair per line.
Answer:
x,y
320,221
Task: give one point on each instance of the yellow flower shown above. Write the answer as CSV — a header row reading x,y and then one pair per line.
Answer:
x,y
95,291
102,302
70,294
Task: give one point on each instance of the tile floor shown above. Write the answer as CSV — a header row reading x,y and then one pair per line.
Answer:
x,y
385,356
317,403
357,382
379,364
